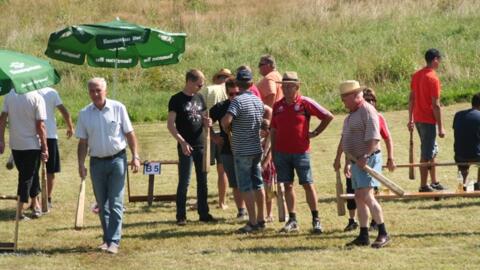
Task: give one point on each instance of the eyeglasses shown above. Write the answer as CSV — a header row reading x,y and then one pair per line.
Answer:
x,y
232,94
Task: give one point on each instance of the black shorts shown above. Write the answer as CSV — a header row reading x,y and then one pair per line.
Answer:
x,y
53,163
459,159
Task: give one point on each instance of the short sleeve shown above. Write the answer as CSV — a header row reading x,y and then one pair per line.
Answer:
x,y
173,104
80,129
40,110
58,100
435,87
126,123
313,108
384,132
372,128
234,108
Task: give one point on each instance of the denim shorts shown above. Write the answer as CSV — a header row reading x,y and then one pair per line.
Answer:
x,y
229,168
248,172
428,145
361,179
287,163
215,154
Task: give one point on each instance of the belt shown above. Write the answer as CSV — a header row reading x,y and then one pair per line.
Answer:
x,y
111,157
372,154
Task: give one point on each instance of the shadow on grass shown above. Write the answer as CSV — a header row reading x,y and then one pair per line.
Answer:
x,y
446,206
175,233
7,214
275,250
435,234
124,225
53,251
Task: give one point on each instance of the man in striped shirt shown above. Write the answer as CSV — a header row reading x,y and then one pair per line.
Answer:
x,y
360,138
245,116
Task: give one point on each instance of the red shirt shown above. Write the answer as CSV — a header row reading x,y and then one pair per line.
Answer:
x,y
255,91
384,132
425,85
292,124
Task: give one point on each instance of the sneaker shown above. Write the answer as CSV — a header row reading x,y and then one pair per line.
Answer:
x,y
49,205
351,226
103,247
426,188
113,248
317,228
242,216
290,227
23,217
373,226
269,219
381,241
36,213
181,222
248,228
359,242
261,225
476,186
437,186
209,219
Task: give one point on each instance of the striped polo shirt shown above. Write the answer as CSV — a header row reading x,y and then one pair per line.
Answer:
x,y
359,128
247,111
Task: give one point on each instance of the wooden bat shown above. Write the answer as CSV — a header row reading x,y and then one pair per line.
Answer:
x,y
44,189
438,164
80,206
340,202
206,153
382,179
411,170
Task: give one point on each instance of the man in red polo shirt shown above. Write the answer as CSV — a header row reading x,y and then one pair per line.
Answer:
x,y
291,145
424,113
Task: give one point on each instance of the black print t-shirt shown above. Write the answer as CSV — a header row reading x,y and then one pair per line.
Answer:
x,y
189,116
216,113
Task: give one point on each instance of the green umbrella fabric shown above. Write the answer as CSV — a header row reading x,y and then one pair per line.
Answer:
x,y
102,43
24,73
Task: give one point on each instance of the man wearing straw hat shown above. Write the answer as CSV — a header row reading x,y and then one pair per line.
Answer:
x,y
212,95
291,135
360,138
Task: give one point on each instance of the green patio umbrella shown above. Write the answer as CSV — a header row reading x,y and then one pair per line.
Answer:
x,y
116,44
24,73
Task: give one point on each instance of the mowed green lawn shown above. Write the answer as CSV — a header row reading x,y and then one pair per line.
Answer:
x,y
426,234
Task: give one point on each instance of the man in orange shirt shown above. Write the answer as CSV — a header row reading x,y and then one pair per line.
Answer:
x,y
424,113
270,90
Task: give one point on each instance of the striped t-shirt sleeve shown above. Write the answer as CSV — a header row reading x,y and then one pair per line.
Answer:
x,y
234,108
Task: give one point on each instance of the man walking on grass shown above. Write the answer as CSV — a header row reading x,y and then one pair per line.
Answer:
x,y
424,113
291,136
104,130
245,116
360,138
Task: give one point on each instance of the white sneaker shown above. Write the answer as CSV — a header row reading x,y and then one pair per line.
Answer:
x,y
103,247
113,248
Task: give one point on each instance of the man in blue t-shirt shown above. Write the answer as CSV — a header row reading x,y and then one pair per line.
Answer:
x,y
466,126
245,116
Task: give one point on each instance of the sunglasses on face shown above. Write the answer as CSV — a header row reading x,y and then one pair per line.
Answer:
x,y
232,94
262,64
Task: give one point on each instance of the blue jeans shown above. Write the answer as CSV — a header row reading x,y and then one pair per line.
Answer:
x,y
108,181
248,172
286,164
184,172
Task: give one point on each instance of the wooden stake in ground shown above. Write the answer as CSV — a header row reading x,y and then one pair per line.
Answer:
x,y
206,148
382,179
411,170
80,206
340,202
44,189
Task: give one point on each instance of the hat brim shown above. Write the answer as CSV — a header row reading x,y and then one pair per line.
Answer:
x,y
285,82
351,91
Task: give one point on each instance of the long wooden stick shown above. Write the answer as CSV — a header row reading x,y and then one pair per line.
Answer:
x,y
340,202
437,164
382,179
44,189
206,149
80,206
17,219
411,171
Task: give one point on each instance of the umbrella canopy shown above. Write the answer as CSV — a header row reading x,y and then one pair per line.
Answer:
x,y
116,44
24,73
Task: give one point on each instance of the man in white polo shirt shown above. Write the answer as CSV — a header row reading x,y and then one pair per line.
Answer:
x,y
26,115
52,101
104,129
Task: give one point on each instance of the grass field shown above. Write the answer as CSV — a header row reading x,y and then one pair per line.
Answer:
x,y
379,42
426,234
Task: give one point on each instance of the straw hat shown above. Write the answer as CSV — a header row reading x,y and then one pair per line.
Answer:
x,y
290,77
222,72
350,86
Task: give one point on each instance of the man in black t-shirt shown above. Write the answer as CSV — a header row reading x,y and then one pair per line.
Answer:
x,y
186,111
466,126
216,113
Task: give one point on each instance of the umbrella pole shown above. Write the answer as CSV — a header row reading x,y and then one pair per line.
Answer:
x,y
115,73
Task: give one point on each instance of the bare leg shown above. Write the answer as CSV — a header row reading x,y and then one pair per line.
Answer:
x,y
249,199
222,186
423,174
433,172
237,197
50,183
260,200
311,195
290,197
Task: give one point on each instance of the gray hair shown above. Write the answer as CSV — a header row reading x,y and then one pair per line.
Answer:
x,y
100,81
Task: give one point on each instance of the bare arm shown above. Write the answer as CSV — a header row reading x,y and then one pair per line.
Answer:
x,y
390,160
437,113
226,121
81,155
186,148
42,135
132,144
321,127
68,120
336,163
3,125
269,100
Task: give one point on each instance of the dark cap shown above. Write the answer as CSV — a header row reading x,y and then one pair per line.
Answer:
x,y
244,75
